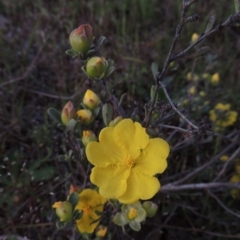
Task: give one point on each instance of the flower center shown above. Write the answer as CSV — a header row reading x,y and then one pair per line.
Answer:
x,y
87,210
130,162
132,213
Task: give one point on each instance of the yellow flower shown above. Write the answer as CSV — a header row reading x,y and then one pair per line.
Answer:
x,y
195,37
235,193
224,158
91,204
215,79
222,116
193,77
202,93
90,99
126,161
192,90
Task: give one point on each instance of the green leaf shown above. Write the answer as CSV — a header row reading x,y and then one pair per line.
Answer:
x,y
210,24
42,174
107,113
100,42
54,114
154,68
73,199
71,124
122,99
71,53
67,186
237,5
39,162
77,215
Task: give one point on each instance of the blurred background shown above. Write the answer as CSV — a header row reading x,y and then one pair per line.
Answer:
x,y
35,74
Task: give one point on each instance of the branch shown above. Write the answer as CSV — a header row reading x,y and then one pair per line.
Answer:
x,y
198,186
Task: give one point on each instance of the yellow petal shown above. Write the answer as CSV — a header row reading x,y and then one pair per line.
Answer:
x,y
91,200
132,137
153,158
106,151
112,181
139,186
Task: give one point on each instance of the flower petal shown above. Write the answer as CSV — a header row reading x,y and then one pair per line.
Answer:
x,y
106,151
139,186
135,225
132,137
153,158
112,181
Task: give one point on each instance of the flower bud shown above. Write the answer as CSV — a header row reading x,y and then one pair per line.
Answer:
x,y
81,38
68,113
96,67
63,210
86,116
150,208
88,136
215,79
91,100
195,37
73,188
115,121
101,231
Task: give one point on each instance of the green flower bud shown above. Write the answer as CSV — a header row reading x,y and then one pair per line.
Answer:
x,y
63,210
150,208
96,67
88,136
68,113
81,38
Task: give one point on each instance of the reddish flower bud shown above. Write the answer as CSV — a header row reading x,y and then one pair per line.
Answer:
x,y
81,38
68,113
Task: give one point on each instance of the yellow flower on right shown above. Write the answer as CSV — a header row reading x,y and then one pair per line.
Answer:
x,y
222,116
125,162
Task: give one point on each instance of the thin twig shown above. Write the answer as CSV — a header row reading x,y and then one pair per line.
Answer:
x,y
222,205
113,99
174,107
204,166
198,186
28,70
233,156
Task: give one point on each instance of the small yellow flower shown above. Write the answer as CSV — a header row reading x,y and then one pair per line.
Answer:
x,y
125,161
224,158
192,90
90,99
206,76
215,79
193,77
222,116
195,37
86,116
202,93
91,204
235,193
